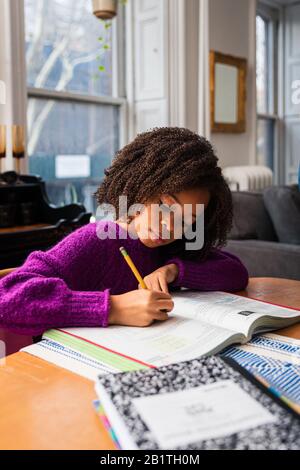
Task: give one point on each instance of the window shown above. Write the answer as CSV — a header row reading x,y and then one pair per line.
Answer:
x,y
74,110
262,59
267,20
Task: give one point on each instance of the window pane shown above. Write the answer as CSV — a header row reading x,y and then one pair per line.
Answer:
x,y
63,51
265,142
70,145
262,64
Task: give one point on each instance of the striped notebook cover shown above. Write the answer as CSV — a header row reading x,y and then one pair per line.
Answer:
x,y
275,361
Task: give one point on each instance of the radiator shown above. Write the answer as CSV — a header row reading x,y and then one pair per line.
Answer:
x,y
248,178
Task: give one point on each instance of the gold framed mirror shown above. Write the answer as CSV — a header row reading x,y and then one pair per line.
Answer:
x,y
228,75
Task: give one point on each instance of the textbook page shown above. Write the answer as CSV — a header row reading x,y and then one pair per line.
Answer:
x,y
229,311
178,339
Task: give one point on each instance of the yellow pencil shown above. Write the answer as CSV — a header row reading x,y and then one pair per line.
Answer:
x,y
133,267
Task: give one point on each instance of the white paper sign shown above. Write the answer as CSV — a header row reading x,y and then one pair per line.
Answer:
x,y
209,411
72,166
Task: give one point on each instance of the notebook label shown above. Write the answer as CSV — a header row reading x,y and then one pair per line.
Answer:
x,y
209,411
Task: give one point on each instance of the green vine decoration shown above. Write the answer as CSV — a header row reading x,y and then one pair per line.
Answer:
x,y
105,44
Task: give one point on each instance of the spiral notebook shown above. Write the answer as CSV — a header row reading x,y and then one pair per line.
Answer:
x,y
274,361
205,403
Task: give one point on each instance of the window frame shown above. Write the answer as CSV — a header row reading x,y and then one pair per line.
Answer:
x,y
119,88
273,15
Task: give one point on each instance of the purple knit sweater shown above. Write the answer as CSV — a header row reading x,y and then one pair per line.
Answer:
x,y
70,285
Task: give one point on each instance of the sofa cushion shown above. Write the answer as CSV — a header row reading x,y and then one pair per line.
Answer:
x,y
250,218
283,204
267,259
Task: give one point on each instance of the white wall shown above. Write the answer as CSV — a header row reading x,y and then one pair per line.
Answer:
x,y
232,31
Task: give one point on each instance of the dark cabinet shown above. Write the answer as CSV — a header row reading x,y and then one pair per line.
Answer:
x,y
28,221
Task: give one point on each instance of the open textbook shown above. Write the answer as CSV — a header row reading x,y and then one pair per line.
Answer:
x,y
201,323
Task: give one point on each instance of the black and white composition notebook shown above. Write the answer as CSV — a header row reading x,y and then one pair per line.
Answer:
x,y
193,405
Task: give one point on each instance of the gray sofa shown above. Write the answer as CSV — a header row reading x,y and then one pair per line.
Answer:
x,y
266,232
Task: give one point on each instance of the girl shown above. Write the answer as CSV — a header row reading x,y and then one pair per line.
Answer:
x,y
84,281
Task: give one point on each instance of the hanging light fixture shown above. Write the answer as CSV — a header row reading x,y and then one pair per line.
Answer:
x,y
105,9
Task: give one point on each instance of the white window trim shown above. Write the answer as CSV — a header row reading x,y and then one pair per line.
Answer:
x,y
177,61
70,96
129,72
179,100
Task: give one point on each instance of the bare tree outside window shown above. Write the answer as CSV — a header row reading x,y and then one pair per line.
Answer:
x,y
63,56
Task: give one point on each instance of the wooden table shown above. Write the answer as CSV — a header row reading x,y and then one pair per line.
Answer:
x,y
46,407
24,228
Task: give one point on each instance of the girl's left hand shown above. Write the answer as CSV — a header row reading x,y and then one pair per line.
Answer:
x,y
159,279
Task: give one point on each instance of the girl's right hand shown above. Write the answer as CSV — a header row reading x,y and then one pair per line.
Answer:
x,y
139,307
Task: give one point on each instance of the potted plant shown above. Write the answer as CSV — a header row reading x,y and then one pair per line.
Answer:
x,y
105,9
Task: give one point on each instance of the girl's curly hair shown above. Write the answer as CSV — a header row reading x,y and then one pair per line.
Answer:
x,y
168,160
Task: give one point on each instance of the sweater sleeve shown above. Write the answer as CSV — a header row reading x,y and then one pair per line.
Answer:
x,y
220,271
42,293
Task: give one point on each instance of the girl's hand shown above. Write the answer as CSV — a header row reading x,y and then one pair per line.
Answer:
x,y
159,279
139,308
